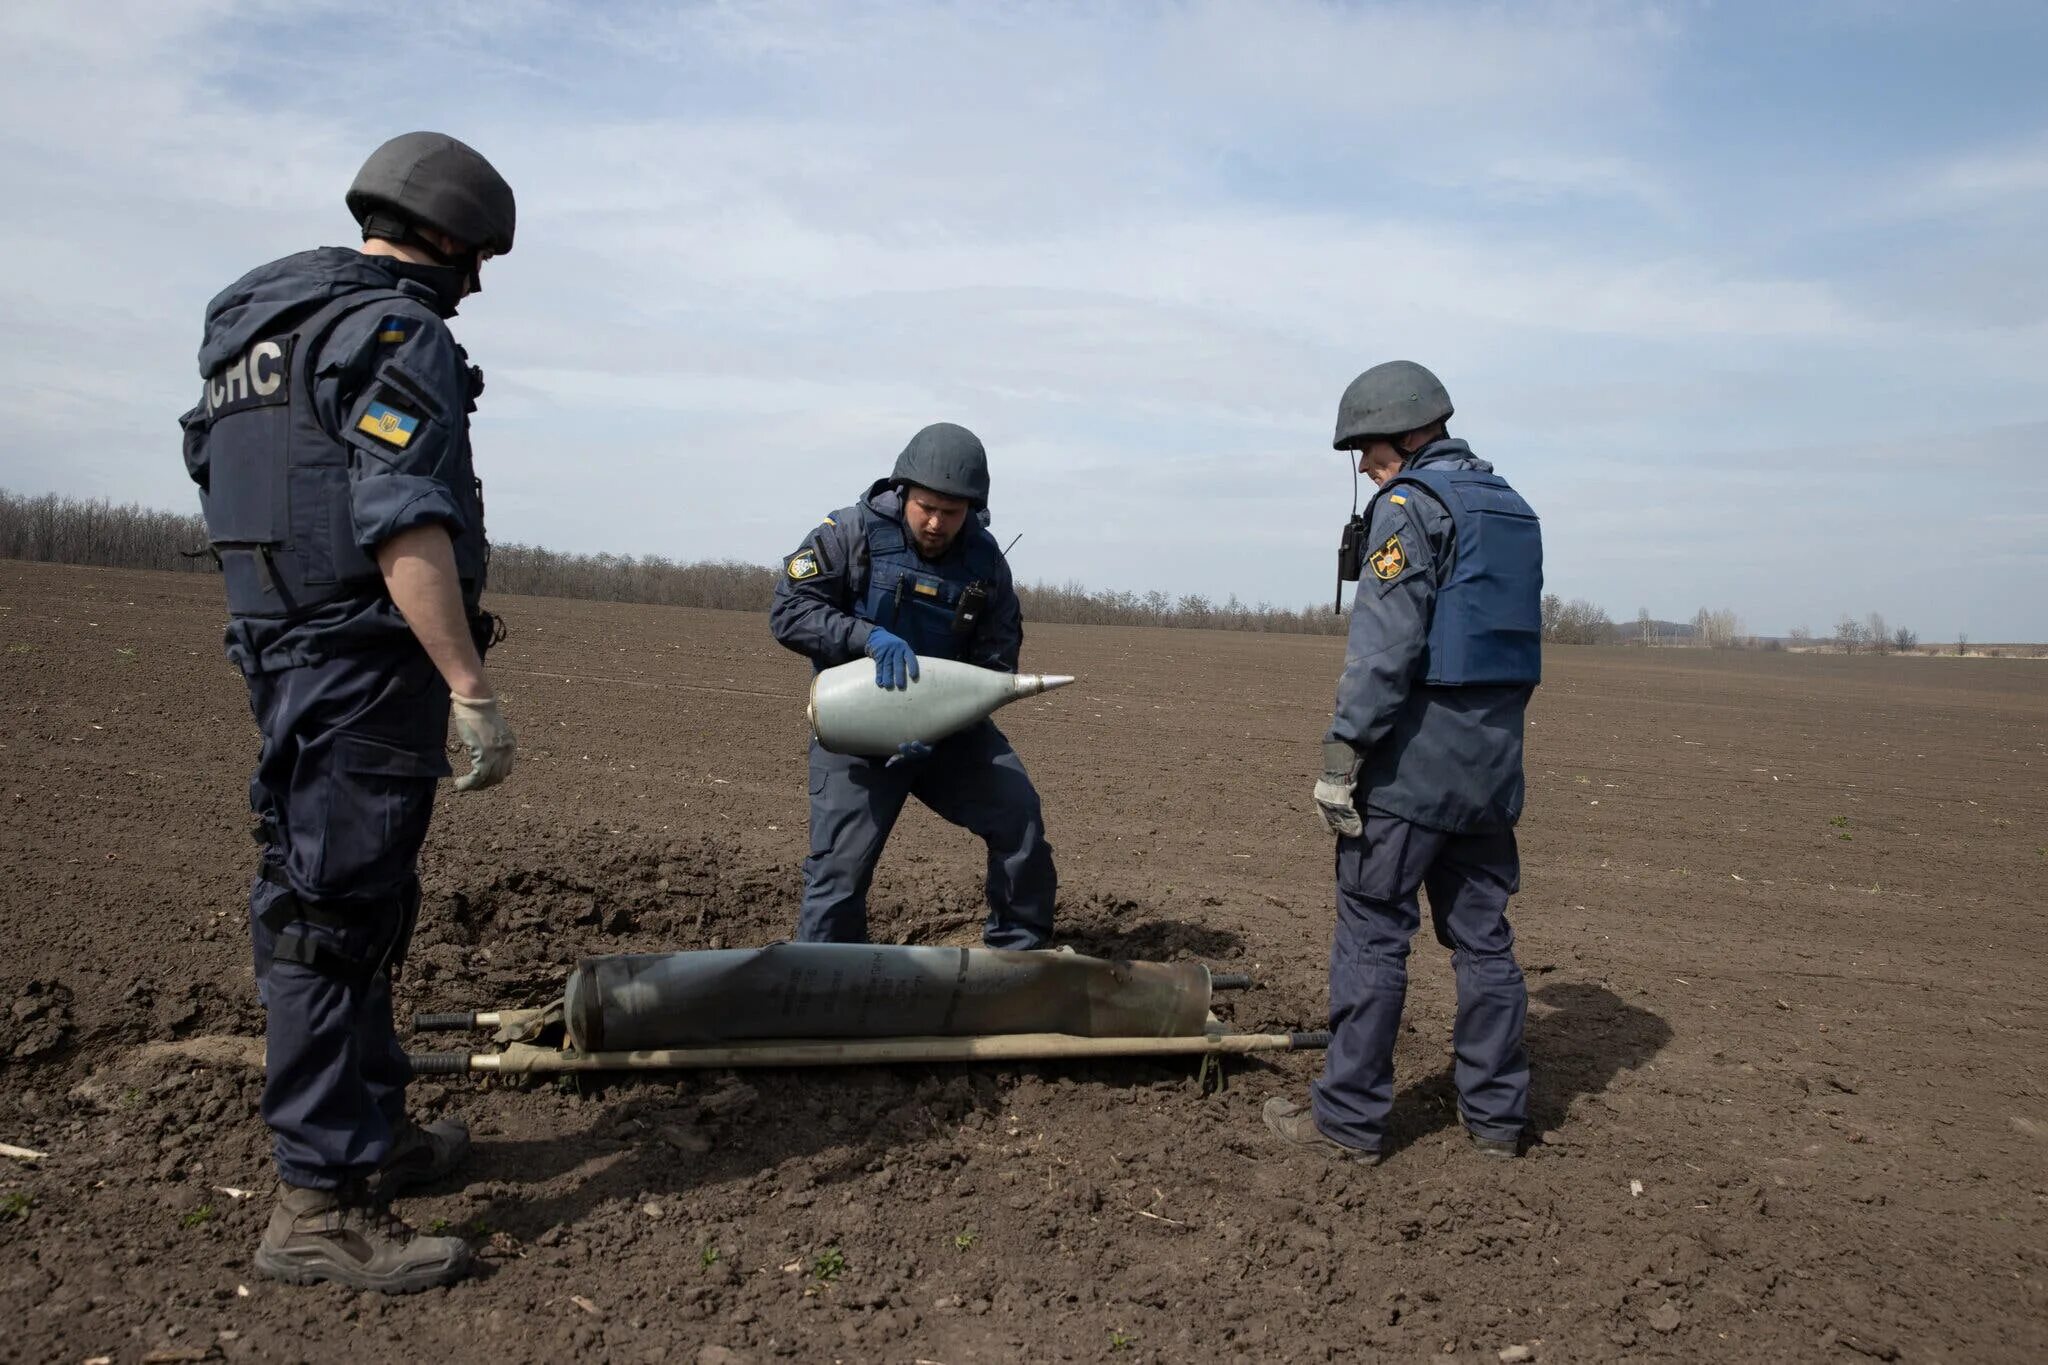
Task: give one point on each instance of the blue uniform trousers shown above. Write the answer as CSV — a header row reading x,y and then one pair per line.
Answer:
x,y
344,791
1469,878
973,779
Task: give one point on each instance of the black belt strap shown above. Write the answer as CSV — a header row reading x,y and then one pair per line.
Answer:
x,y
289,909
286,917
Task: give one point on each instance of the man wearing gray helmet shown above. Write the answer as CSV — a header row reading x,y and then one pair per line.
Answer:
x,y
911,570
1422,766
331,449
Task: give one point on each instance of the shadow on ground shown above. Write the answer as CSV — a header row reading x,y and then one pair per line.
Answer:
x,y
1589,1036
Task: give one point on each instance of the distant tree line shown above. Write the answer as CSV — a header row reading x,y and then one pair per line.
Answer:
x,y
722,585
87,531
80,531
1072,603
1579,622
84,531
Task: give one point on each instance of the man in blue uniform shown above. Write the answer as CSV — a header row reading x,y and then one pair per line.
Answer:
x,y
331,449
912,570
1422,767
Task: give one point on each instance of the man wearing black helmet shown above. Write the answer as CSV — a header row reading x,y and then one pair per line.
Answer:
x,y
331,449
912,570
1422,766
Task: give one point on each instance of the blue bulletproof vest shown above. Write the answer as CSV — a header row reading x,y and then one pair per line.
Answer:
x,y
276,494
1488,627
920,601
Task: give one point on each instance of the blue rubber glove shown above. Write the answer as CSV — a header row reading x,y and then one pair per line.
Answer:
x,y
895,661
910,751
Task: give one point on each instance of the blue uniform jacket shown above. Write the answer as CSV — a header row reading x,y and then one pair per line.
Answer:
x,y
1449,758
818,598
397,350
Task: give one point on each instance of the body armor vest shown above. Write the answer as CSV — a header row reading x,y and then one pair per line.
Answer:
x,y
276,495
936,608
1488,626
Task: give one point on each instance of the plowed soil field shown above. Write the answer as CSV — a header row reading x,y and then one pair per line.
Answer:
x,y
1785,920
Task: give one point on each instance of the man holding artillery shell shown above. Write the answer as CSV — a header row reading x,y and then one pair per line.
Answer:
x,y
911,570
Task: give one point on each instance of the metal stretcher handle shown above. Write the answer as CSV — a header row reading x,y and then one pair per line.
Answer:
x,y
521,1057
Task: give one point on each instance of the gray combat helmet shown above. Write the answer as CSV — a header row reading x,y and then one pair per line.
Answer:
x,y
947,459
1387,400
431,180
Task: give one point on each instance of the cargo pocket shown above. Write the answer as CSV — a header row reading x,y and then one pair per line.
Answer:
x,y
380,799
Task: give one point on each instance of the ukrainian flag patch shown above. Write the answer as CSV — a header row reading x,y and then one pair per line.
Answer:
x,y
388,425
393,331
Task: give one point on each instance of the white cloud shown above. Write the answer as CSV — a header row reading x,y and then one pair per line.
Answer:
x,y
2015,170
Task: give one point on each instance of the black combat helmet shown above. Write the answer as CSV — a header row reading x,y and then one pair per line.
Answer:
x,y
947,459
432,180
1387,400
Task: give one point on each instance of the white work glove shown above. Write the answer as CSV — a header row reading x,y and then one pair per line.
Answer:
x,y
481,726
1335,799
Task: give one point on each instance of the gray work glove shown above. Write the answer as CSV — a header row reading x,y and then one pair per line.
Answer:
x,y
1335,789
481,726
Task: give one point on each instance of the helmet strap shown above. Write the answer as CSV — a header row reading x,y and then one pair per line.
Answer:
x,y
467,264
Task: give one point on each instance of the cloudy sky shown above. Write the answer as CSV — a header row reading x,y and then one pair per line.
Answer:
x,y
1749,299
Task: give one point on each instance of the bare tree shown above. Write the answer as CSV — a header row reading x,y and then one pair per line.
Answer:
x,y
1580,622
1848,633
1553,611
1879,637
1962,643
1905,641
1646,627
1717,629
1799,635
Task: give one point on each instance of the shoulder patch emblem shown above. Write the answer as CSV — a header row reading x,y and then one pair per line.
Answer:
x,y
388,425
1389,560
803,564
1397,500
393,331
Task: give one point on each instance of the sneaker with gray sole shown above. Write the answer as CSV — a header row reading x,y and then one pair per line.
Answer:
x,y
1296,1125
347,1237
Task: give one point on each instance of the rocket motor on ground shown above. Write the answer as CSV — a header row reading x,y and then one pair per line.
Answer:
x,y
850,715
639,1001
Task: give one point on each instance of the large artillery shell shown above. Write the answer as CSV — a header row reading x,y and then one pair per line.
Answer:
x,y
850,715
